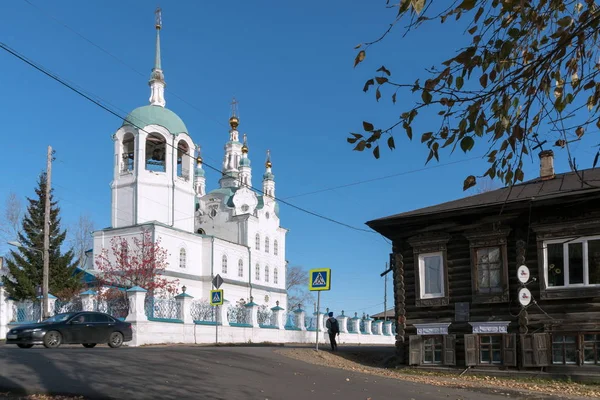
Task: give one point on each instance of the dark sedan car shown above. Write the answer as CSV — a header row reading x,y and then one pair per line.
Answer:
x,y
86,328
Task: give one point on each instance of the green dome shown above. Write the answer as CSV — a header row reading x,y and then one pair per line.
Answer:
x,y
156,115
245,162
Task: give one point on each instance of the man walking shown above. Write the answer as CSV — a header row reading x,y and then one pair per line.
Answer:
x,y
333,329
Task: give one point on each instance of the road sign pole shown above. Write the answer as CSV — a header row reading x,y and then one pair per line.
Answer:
x,y
216,325
318,312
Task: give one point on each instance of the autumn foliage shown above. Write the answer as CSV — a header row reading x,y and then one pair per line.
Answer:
x,y
136,262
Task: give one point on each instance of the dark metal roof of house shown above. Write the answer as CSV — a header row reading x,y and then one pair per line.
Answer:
x,y
390,314
567,184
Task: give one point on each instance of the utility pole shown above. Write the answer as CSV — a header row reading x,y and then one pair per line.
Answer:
x,y
45,313
385,296
384,273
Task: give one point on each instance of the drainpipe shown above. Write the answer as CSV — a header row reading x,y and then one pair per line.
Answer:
x,y
173,174
250,270
212,259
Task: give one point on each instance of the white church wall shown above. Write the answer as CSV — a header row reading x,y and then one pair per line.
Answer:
x,y
151,332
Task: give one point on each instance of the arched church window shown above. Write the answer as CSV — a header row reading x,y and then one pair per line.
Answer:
x,y
224,264
275,276
183,160
275,247
182,258
128,152
266,245
266,273
156,153
257,242
257,272
241,268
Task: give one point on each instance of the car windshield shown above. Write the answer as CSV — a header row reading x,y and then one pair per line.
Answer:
x,y
59,318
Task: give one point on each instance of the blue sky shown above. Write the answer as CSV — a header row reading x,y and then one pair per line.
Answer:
x,y
289,64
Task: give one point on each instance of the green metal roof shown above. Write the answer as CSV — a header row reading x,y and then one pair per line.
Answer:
x,y
156,115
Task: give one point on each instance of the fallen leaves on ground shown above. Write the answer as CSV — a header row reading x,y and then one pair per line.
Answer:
x,y
496,384
10,396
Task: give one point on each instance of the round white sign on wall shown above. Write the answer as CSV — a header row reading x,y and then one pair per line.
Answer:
x,y
523,274
524,297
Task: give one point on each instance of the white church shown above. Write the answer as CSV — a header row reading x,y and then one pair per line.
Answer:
x,y
159,186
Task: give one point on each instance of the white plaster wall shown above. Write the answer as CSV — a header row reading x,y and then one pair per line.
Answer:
x,y
163,332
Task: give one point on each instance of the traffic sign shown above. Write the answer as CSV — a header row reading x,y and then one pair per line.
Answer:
x,y
319,279
216,297
217,281
523,274
524,297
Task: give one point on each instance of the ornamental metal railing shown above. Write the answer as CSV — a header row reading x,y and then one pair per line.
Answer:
x,y
310,322
203,312
290,321
162,309
118,307
26,311
65,306
238,315
266,317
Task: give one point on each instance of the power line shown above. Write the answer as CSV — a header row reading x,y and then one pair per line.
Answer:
x,y
121,61
107,109
381,178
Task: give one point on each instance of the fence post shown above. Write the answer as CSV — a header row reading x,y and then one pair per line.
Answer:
x,y
368,325
3,311
343,320
387,328
184,302
252,310
355,323
300,315
378,327
136,296
222,313
87,300
279,316
51,304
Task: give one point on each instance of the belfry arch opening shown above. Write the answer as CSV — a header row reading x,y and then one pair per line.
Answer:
x,y
156,153
183,160
128,152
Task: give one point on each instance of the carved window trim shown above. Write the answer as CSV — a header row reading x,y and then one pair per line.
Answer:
x,y
487,239
423,245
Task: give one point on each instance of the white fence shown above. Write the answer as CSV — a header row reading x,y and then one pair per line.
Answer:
x,y
185,320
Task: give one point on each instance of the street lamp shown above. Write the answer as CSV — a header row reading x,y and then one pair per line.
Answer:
x,y
45,313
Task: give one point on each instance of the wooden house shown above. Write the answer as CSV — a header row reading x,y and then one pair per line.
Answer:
x,y
456,289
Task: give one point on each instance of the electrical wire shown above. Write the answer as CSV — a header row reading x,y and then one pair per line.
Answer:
x,y
107,109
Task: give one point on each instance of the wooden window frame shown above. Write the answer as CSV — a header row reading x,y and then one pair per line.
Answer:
x,y
428,244
435,346
491,348
578,348
473,354
561,228
596,347
480,240
417,350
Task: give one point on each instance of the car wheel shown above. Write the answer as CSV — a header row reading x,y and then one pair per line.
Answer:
x,y
115,340
52,339
89,345
25,346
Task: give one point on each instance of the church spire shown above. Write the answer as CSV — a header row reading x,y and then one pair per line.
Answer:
x,y
245,169
157,78
269,178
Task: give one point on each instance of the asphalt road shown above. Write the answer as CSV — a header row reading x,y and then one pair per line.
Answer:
x,y
185,372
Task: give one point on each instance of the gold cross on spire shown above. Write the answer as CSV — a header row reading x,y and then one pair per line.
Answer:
x,y
158,22
234,108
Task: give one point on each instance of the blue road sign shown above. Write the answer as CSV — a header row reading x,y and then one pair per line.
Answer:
x,y
319,279
216,297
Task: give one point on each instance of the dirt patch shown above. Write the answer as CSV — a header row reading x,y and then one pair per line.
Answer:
x,y
368,363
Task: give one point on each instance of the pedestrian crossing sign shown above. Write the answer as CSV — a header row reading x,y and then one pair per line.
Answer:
x,y
319,279
216,297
